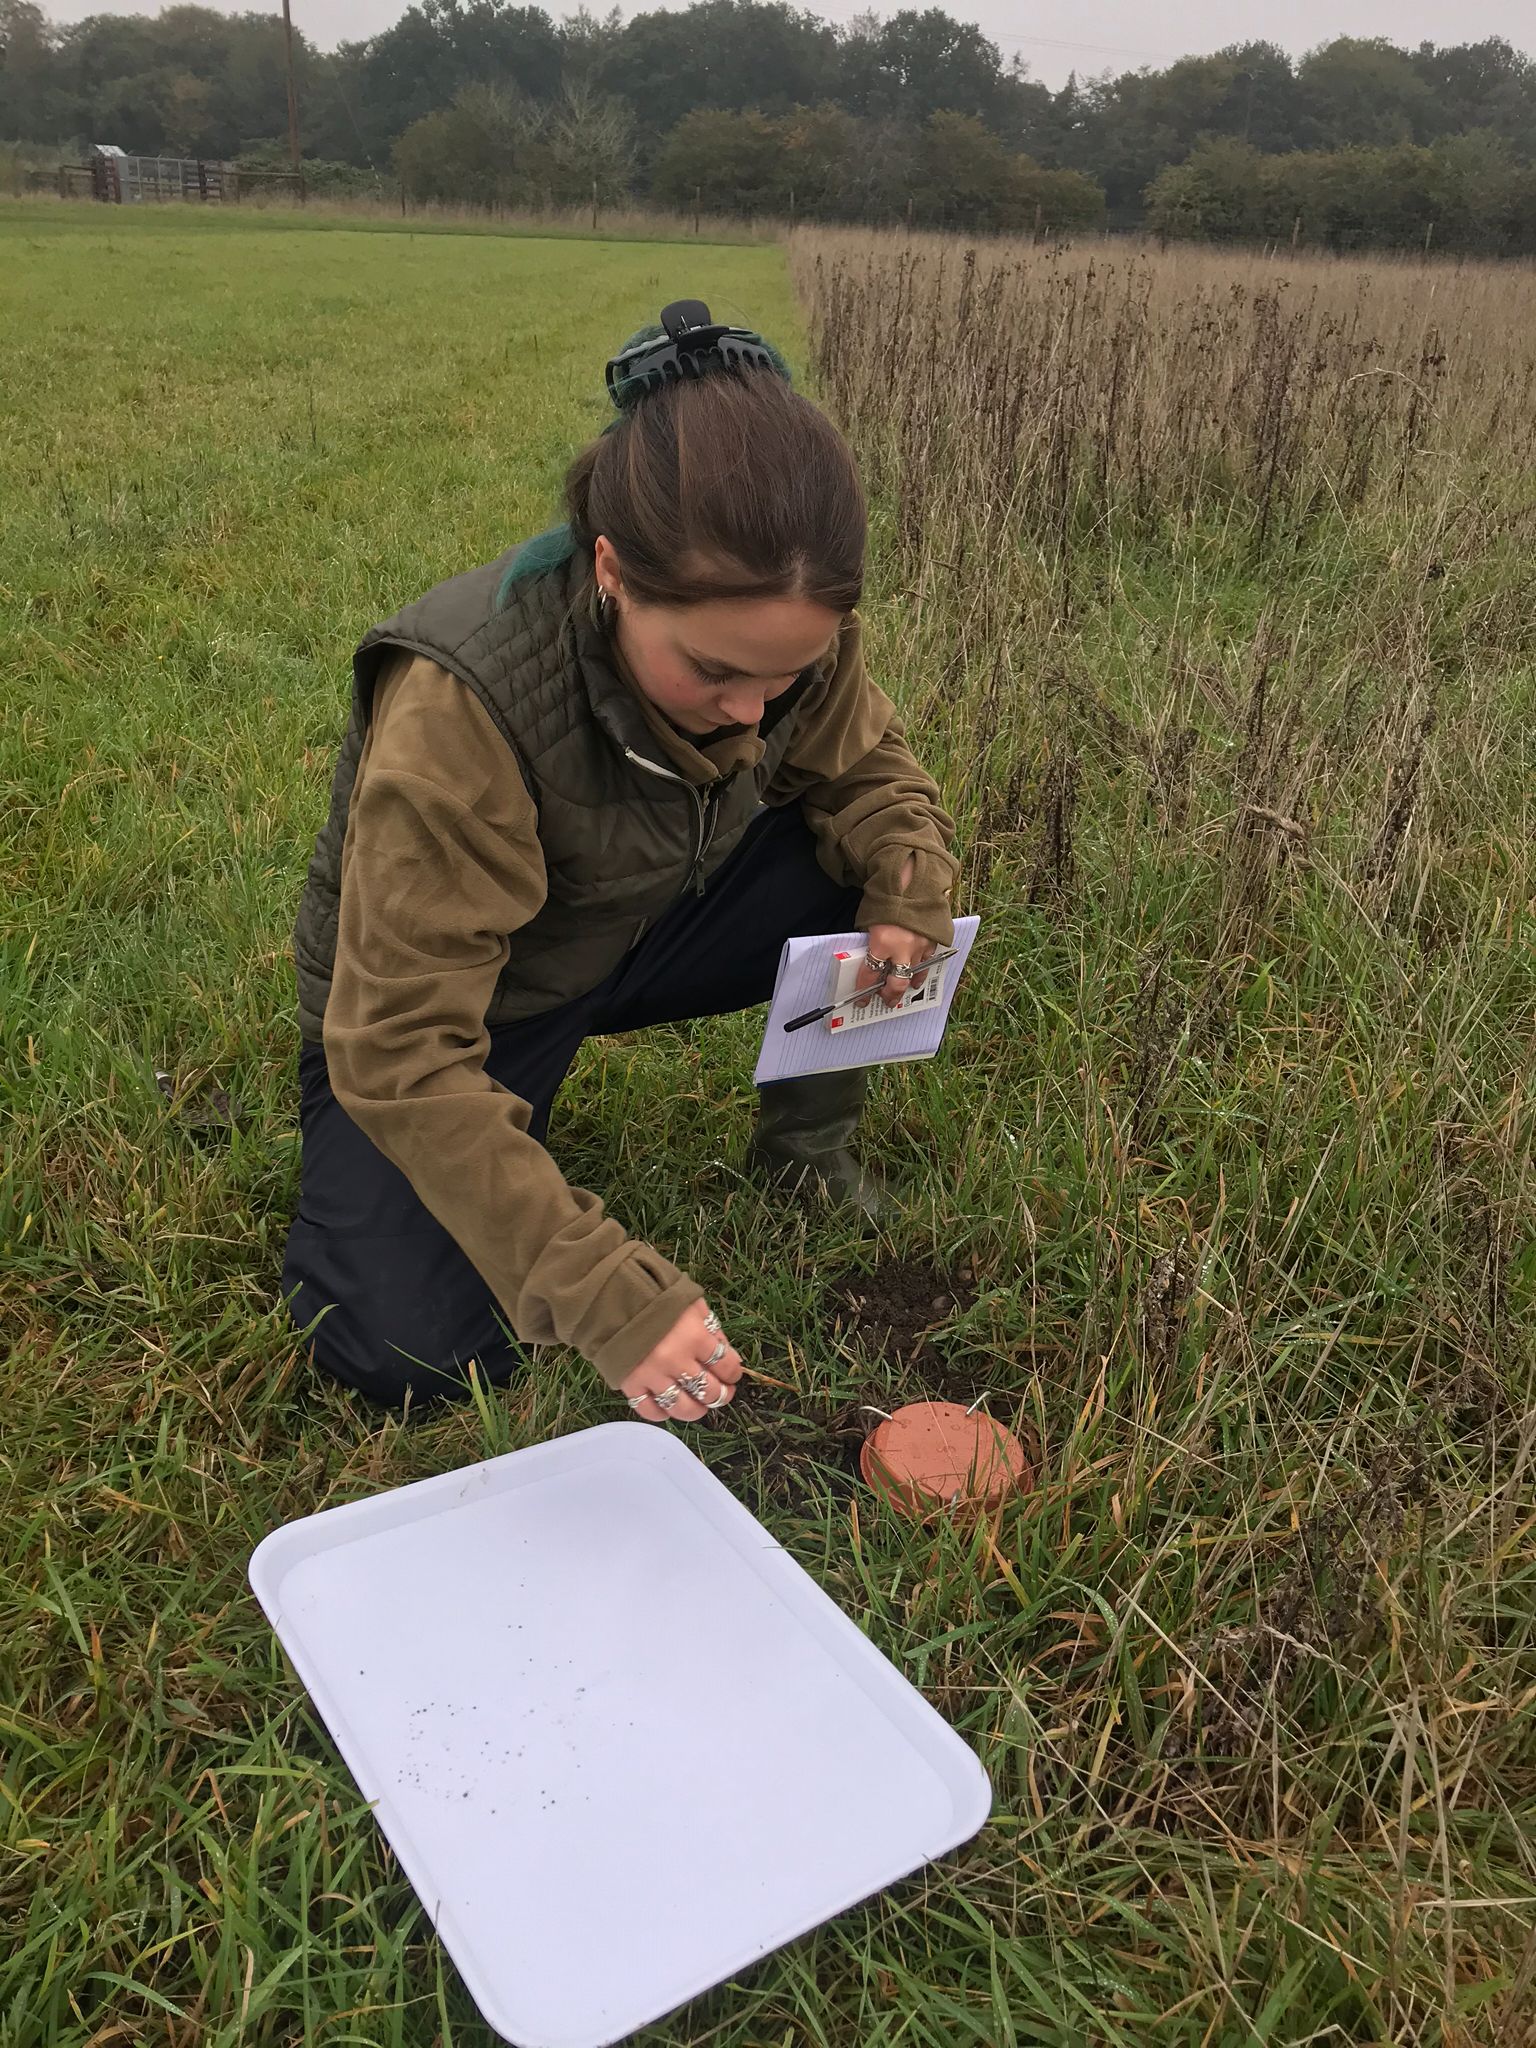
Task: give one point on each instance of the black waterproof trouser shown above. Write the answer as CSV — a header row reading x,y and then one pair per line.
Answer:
x,y
400,1309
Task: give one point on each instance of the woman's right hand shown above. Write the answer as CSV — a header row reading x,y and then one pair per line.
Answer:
x,y
688,1349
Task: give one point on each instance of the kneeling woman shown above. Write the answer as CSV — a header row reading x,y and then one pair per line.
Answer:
x,y
590,787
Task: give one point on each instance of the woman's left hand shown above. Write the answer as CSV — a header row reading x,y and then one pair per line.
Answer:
x,y
895,943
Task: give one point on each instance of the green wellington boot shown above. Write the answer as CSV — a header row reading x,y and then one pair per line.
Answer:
x,y
804,1139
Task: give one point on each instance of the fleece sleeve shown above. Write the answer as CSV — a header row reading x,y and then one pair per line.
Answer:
x,y
441,864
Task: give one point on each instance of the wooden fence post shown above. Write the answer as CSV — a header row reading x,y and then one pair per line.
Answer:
x,y
594,206
698,191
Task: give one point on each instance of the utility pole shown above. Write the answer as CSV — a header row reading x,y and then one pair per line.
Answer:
x,y
293,97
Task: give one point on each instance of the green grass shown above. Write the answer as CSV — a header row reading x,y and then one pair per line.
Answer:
x,y
1253,1669
49,216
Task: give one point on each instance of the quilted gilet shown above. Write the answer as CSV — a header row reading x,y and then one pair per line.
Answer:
x,y
623,836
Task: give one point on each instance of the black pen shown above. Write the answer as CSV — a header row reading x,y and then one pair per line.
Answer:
x,y
863,995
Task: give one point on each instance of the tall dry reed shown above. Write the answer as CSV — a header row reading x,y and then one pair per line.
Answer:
x,y
1206,583
1055,392
1318,462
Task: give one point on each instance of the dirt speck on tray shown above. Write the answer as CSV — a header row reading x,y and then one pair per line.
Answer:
x,y
895,1308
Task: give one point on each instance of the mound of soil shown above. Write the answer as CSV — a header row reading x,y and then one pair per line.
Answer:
x,y
785,1456
894,1310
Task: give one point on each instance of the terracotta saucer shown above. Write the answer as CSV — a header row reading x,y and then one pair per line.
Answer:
x,y
935,1454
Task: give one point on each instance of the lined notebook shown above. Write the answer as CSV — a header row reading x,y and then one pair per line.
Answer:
x,y
804,983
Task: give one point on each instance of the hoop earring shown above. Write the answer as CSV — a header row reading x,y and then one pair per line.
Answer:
x,y
605,610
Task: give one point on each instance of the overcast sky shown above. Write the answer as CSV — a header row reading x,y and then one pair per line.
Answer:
x,y
1121,34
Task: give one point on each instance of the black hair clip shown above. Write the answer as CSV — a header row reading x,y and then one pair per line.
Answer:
x,y
690,344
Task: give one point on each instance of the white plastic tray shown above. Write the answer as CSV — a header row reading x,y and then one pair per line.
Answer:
x,y
621,1744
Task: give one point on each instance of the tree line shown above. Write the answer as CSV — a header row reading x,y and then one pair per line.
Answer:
x,y
1464,192
759,106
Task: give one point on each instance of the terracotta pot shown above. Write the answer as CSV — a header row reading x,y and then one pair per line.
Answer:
x,y
933,1454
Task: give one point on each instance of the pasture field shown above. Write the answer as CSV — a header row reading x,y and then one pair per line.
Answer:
x,y
1207,588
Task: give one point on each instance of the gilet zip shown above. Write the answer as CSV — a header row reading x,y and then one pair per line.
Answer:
x,y
706,807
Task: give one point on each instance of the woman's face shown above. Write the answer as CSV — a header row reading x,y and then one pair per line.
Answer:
x,y
708,665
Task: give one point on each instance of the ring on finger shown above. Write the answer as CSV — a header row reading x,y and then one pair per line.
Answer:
x,y
666,1398
718,1353
721,1398
695,1384
712,1323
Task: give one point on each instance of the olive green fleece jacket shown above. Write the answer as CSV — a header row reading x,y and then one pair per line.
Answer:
x,y
441,863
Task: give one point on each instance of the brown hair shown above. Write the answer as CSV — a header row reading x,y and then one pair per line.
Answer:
x,y
728,486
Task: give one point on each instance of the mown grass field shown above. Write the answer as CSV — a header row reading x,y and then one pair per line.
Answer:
x,y
1226,1172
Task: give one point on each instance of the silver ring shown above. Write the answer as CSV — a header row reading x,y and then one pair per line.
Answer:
x,y
718,1353
722,1398
879,966
637,1400
666,1400
695,1384
712,1323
